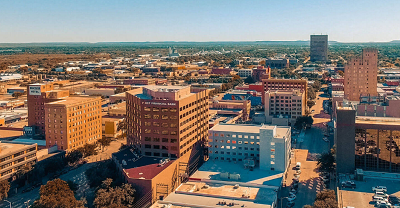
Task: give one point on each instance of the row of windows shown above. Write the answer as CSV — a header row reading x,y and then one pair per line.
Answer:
x,y
157,124
156,131
234,153
193,103
164,140
236,142
156,109
236,136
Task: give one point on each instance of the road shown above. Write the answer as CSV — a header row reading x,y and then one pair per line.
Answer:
x,y
307,150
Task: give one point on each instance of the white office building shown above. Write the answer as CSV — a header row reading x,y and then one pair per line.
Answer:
x,y
268,146
244,73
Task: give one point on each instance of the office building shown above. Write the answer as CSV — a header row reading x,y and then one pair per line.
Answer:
x,y
283,107
72,122
284,84
14,157
361,75
166,121
244,73
319,48
368,143
267,146
275,63
260,72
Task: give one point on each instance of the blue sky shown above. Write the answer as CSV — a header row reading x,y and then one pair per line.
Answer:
x,y
197,20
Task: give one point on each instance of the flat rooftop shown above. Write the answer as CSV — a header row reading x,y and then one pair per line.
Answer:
x,y
72,100
7,148
169,87
377,120
211,171
237,128
137,166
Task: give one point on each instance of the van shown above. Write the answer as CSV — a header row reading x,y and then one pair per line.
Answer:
x,y
298,165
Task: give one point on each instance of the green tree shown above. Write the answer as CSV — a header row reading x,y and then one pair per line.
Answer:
x,y
4,189
316,85
326,199
249,80
104,142
311,93
100,172
74,156
88,150
303,122
57,194
326,162
109,196
310,103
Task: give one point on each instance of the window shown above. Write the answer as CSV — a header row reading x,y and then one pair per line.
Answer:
x,y
156,109
156,116
156,146
164,109
156,124
156,139
146,109
164,117
147,146
147,139
147,123
147,116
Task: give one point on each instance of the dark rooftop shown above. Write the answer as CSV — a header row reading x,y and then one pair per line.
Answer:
x,y
137,166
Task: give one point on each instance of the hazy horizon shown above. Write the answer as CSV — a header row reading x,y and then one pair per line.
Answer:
x,y
90,21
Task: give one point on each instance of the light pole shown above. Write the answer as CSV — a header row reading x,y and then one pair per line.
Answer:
x,y
8,202
282,200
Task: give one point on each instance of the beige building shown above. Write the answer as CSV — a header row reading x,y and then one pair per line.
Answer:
x,y
14,157
72,122
361,75
284,107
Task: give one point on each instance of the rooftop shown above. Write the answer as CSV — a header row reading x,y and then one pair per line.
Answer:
x,y
137,166
378,120
73,100
211,171
237,128
7,148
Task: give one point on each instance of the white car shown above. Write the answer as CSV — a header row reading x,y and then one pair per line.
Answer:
x,y
381,194
325,139
383,204
379,188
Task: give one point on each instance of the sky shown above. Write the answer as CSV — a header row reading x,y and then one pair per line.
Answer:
x,y
25,21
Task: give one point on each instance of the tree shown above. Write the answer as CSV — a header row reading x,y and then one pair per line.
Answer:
x,y
73,156
249,80
326,199
310,103
341,73
326,162
316,85
303,122
88,150
109,196
57,194
4,189
103,170
311,93
104,142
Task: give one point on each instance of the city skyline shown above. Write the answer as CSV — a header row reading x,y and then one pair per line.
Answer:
x,y
205,21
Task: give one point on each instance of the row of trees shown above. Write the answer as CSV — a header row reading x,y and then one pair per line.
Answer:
x,y
324,199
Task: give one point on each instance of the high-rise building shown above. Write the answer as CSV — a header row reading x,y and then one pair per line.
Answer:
x,y
361,75
72,122
319,48
365,142
166,121
68,122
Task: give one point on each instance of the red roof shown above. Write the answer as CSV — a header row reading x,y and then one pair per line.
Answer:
x,y
147,171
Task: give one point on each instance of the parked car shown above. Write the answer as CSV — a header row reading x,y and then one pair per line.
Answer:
x,y
326,139
381,194
379,188
378,199
290,204
383,204
294,191
348,184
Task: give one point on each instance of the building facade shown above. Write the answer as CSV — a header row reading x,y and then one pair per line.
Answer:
x,y
244,73
368,143
268,146
260,73
284,84
167,121
277,63
14,157
319,48
361,75
286,106
73,122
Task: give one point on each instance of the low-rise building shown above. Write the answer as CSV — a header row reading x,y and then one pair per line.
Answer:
x,y
14,157
140,81
244,73
266,146
284,107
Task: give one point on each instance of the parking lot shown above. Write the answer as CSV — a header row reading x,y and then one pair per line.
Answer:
x,y
361,196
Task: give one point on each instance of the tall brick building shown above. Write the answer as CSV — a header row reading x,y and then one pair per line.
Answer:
x,y
68,122
284,84
361,75
167,121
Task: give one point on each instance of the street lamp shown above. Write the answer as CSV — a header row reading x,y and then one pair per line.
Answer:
x,y
8,202
282,200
